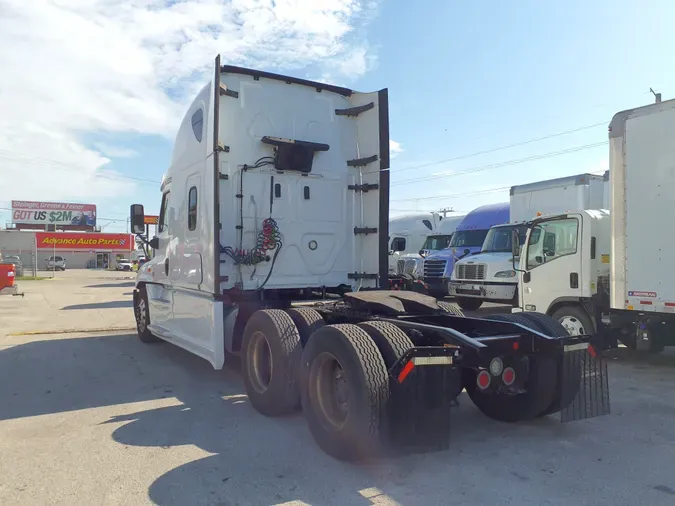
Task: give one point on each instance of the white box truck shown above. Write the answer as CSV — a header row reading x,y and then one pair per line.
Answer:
x,y
489,276
612,274
277,193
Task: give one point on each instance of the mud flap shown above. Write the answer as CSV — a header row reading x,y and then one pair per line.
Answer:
x,y
418,414
584,384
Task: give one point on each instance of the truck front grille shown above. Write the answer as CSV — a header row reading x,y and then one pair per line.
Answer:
x,y
471,271
406,266
434,268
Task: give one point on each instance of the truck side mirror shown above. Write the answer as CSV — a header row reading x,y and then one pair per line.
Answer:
x,y
515,243
515,248
137,218
154,243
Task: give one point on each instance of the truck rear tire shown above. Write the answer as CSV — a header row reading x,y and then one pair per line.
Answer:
x,y
347,392
307,321
469,304
142,315
575,320
450,308
390,340
271,352
540,391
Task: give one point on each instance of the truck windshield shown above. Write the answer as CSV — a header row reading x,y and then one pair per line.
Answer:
x,y
498,239
468,238
436,242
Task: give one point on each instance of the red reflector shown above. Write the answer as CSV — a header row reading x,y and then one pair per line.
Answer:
x,y
405,371
483,380
670,304
646,302
592,352
515,345
509,376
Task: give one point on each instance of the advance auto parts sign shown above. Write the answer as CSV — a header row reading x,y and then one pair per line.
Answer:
x,y
84,241
53,213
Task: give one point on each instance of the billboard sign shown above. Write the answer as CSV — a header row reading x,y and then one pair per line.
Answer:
x,y
84,241
53,213
150,220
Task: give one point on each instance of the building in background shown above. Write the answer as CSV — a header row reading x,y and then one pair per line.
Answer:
x,y
53,216
80,250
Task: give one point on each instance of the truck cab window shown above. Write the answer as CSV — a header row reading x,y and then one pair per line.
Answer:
x,y
163,213
192,208
550,240
398,244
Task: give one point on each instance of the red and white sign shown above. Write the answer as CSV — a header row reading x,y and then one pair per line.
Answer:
x,y
53,213
84,241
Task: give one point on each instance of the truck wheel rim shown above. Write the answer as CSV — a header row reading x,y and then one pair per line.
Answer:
x,y
332,390
142,315
260,362
572,325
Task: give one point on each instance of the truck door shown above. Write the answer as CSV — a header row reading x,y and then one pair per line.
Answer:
x,y
551,263
160,297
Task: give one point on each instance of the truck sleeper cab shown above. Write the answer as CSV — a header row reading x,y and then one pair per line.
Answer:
x,y
278,191
407,235
488,276
467,239
409,270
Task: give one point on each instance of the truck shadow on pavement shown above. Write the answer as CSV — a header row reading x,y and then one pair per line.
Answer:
x,y
255,460
115,304
124,284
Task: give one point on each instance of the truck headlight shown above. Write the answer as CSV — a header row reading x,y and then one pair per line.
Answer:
x,y
505,274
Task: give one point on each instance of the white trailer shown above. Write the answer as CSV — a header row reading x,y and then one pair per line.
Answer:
x,y
571,193
489,276
613,275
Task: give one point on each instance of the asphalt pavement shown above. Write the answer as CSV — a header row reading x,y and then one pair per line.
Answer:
x,y
93,416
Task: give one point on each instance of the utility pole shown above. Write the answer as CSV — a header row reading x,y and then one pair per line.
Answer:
x,y
446,210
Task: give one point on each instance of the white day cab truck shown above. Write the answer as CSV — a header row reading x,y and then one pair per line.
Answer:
x,y
489,276
610,272
265,206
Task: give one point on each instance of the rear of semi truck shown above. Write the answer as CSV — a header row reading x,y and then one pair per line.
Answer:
x,y
278,195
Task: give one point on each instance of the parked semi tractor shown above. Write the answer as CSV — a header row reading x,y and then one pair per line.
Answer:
x,y
489,276
407,235
409,270
278,191
467,240
611,274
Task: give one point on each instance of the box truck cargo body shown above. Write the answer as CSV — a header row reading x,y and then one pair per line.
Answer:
x,y
611,271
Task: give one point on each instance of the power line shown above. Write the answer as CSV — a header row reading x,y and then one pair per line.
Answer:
x,y
499,148
460,195
506,163
72,168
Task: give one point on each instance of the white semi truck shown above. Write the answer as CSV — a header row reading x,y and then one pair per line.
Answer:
x,y
278,192
408,272
489,276
407,235
610,271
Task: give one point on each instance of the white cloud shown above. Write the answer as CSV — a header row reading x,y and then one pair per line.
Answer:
x,y
117,66
395,148
115,151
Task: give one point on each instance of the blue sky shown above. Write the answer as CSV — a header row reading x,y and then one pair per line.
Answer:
x,y
463,77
